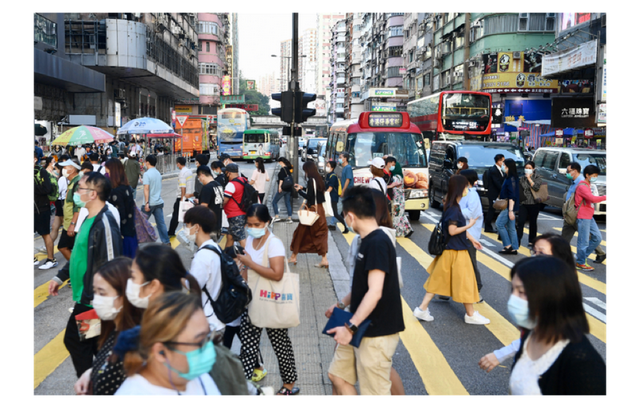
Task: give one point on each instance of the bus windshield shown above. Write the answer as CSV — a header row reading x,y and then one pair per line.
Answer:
x,y
462,111
231,126
407,148
254,138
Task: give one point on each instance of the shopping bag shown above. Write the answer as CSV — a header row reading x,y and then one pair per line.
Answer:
x,y
306,216
328,210
144,229
184,207
500,204
274,304
542,194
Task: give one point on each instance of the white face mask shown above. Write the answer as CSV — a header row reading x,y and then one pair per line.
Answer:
x,y
65,173
459,165
192,237
104,306
133,294
528,171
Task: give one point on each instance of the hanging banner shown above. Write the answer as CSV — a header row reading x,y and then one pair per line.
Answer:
x,y
575,58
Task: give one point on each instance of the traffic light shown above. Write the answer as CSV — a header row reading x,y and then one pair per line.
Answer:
x,y
302,99
285,111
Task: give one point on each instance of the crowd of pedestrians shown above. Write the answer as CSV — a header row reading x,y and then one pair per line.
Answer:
x,y
162,331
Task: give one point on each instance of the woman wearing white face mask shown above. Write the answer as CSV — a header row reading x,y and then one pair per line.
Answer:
x,y
116,314
555,356
157,269
259,240
529,208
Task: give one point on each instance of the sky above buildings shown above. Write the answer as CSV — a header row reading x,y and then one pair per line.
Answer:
x,y
257,45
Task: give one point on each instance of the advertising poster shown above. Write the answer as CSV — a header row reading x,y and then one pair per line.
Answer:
x,y
574,112
226,85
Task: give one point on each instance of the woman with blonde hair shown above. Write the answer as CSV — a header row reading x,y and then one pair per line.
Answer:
x,y
174,352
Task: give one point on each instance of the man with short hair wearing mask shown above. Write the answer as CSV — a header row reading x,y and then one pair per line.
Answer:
x,y
93,158
70,209
186,182
98,242
492,180
211,195
217,169
226,160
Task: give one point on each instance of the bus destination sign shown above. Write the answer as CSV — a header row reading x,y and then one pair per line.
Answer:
x,y
385,119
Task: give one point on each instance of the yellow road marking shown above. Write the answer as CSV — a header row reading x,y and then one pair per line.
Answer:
x,y
41,257
437,376
575,250
598,328
49,358
41,293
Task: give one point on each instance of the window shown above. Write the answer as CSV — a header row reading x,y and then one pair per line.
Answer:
x,y
208,49
446,47
427,54
458,73
550,159
410,56
207,27
446,78
427,79
199,45
395,31
505,23
209,69
565,159
539,158
419,82
436,82
395,52
209,89
459,40
45,31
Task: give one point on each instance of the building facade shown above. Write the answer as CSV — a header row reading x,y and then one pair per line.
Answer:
x,y
285,64
353,105
324,23
145,61
213,35
307,61
338,62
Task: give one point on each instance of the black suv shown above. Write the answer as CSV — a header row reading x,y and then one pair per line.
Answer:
x,y
480,156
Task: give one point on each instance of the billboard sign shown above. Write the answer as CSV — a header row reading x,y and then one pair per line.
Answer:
x,y
522,82
578,57
226,85
251,85
568,20
573,112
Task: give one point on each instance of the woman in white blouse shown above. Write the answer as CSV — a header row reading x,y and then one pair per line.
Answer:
x,y
555,356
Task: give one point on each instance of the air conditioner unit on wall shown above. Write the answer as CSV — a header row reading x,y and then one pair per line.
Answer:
x,y
517,55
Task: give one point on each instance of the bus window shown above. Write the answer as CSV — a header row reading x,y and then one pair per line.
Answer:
x,y
407,148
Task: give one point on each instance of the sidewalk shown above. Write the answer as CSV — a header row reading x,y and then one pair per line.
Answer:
x,y
313,350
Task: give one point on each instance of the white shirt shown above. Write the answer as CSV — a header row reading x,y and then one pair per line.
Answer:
x,y
260,180
80,151
205,267
500,170
382,186
97,166
138,385
471,207
526,373
276,248
82,215
187,180
62,188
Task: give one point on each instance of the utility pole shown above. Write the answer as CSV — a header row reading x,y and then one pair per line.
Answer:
x,y
293,86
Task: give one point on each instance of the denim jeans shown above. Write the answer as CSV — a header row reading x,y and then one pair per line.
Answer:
x,y
586,244
158,214
287,201
507,230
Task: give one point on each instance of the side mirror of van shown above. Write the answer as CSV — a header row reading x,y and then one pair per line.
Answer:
x,y
562,171
448,164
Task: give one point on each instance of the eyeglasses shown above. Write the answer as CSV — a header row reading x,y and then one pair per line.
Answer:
x,y
210,337
536,253
90,189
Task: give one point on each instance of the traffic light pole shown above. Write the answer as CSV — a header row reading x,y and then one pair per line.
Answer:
x,y
293,86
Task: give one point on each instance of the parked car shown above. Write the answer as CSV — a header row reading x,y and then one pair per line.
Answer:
x,y
301,144
480,157
551,164
322,149
310,151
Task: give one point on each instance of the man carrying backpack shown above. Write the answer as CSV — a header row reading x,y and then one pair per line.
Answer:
x,y
236,197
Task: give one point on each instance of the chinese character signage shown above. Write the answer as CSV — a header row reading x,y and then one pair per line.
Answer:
x,y
579,57
522,82
385,120
573,112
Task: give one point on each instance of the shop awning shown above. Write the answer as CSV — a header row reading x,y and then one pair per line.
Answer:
x,y
162,135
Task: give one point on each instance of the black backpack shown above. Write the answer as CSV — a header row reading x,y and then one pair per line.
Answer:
x,y
249,195
235,294
438,241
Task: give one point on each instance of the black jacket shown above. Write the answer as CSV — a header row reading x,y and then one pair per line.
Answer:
x,y
579,370
494,184
105,244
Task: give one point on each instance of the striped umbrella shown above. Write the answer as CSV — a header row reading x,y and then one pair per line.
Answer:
x,y
83,135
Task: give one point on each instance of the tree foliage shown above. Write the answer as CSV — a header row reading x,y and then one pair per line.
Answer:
x,y
254,97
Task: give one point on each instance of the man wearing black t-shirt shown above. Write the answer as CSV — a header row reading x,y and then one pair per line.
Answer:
x,y
375,295
211,194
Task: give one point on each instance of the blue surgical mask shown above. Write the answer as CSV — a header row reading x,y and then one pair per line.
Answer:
x,y
392,168
200,361
78,201
518,309
594,179
256,232
528,171
349,226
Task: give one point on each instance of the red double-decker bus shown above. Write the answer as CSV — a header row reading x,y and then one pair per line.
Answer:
x,y
452,113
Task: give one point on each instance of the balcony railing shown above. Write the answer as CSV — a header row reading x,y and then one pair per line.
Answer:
x,y
45,31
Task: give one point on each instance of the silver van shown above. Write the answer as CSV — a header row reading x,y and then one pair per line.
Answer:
x,y
551,164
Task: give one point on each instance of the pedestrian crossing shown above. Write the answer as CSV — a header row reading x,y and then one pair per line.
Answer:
x,y
436,373
433,367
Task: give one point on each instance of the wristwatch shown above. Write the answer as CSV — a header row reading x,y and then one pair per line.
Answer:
x,y
341,305
351,327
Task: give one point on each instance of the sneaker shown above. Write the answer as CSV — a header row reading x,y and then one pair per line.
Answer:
x,y
481,298
276,219
42,250
258,375
289,221
332,227
422,314
600,258
477,318
50,263
584,267
35,261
